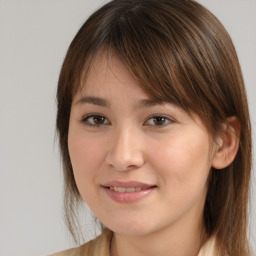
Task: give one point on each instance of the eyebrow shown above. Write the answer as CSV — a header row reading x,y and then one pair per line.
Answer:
x,y
104,103
149,103
93,100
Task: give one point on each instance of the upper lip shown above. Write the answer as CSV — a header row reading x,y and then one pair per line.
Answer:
x,y
128,184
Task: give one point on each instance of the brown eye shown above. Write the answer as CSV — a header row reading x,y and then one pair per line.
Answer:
x,y
95,120
159,121
99,119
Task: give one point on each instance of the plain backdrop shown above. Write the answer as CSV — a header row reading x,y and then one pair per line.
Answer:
x,y
34,37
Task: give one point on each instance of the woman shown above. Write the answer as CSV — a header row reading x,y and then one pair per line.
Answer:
x,y
155,132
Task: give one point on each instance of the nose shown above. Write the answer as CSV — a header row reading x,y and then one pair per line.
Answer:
x,y
125,151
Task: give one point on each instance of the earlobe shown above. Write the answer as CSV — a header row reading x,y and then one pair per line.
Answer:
x,y
227,143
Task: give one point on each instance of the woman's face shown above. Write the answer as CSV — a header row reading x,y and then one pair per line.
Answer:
x,y
141,166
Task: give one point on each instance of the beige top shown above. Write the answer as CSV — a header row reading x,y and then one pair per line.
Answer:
x,y
100,246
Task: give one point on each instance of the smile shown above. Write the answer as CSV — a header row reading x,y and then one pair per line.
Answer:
x,y
129,190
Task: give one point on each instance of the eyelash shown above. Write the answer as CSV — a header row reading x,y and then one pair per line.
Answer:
x,y
85,120
167,120
154,118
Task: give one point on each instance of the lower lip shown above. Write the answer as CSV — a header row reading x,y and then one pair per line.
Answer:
x,y
128,197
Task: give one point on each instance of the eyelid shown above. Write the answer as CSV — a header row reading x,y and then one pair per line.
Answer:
x,y
84,120
168,118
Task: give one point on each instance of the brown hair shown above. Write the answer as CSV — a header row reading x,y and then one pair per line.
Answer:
x,y
178,52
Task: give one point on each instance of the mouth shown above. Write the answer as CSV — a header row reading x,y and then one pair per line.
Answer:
x,y
128,192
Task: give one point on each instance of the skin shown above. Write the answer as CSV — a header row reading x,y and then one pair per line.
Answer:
x,y
129,145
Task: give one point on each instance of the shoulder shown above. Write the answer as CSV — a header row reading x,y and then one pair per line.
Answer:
x,y
209,248
100,246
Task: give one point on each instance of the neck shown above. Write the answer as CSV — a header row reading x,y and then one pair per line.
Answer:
x,y
184,238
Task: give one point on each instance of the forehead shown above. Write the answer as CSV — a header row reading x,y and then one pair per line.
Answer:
x,y
107,75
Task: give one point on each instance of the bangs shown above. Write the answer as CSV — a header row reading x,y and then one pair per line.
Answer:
x,y
167,52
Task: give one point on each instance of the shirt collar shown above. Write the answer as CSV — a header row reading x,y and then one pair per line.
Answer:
x,y
209,247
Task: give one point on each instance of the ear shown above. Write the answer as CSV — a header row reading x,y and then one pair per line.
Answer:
x,y
227,143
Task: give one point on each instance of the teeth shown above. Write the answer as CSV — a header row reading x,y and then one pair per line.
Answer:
x,y
122,189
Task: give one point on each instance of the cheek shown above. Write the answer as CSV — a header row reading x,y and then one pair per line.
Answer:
x,y
183,173
183,162
86,158
83,150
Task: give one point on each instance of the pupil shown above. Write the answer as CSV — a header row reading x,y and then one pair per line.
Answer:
x,y
99,119
159,120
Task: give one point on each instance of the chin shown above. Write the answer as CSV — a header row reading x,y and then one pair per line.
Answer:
x,y
130,232
130,228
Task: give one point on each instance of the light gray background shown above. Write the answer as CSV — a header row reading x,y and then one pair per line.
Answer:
x,y
34,36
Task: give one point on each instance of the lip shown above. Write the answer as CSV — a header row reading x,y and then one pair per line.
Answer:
x,y
127,184
128,197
